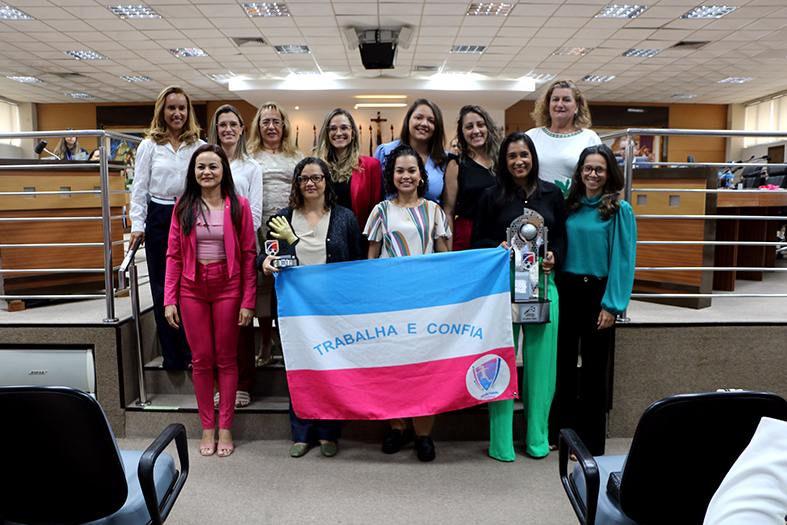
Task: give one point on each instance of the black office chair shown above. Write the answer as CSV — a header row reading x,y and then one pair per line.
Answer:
x,y
682,449
59,463
752,177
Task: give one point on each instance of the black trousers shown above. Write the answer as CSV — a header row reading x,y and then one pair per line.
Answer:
x,y
174,347
580,401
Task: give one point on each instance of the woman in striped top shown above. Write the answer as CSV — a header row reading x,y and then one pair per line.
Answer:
x,y
407,224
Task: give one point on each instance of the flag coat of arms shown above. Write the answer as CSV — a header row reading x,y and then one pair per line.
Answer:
x,y
397,337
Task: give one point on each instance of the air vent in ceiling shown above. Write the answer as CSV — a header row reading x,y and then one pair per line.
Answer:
x,y
426,68
240,41
690,44
69,75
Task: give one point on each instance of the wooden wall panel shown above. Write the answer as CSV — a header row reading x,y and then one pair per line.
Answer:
x,y
54,117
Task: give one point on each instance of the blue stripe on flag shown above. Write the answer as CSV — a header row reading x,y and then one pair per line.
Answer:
x,y
397,283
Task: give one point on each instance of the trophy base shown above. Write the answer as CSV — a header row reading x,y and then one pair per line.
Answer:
x,y
532,312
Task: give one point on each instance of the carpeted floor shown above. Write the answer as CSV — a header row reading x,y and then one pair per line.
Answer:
x,y
261,484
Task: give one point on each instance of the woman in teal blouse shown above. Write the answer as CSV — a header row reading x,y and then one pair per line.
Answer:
x,y
594,286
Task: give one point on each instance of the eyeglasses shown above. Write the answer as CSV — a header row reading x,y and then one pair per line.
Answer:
x,y
303,179
276,123
600,170
344,129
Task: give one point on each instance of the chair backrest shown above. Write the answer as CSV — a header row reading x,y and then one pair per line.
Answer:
x,y
682,449
59,462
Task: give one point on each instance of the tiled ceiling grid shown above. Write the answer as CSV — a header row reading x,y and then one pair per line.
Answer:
x,y
749,42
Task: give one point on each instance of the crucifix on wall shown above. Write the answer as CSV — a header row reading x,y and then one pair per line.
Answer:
x,y
379,121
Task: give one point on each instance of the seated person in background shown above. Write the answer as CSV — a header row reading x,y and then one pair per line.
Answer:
x,y
640,155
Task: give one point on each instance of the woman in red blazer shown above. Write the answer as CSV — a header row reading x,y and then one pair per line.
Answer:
x,y
357,180
211,277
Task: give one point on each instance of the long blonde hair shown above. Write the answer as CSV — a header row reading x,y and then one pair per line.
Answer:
x,y
158,131
60,150
341,169
255,138
541,114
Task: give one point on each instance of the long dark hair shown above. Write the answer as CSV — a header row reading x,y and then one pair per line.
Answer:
x,y
610,202
509,189
296,197
390,165
436,143
493,137
191,205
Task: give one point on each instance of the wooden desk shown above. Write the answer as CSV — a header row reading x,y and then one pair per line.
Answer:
x,y
667,229
34,178
746,202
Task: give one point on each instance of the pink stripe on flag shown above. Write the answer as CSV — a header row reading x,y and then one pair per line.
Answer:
x,y
419,389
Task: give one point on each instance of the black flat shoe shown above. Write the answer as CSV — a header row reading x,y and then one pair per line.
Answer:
x,y
395,440
424,448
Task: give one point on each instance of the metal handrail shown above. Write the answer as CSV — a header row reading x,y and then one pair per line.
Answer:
x,y
103,192
628,167
129,264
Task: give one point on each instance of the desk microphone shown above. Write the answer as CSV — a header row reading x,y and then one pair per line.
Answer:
x,y
41,146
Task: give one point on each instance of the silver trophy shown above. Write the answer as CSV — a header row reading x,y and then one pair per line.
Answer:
x,y
527,236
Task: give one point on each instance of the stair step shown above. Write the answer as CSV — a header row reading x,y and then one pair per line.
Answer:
x,y
268,418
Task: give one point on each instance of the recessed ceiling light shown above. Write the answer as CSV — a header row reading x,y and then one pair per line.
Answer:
x,y
185,52
596,78
306,73
426,68
489,9
540,77
26,80
454,72
621,11
684,96
266,9
710,11
133,11
136,78
79,95
644,53
9,13
735,80
468,49
221,77
573,51
290,50
85,55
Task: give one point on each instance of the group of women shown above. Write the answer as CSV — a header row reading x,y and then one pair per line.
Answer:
x,y
340,206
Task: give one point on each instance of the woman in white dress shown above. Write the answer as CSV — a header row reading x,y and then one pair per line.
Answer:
x,y
269,144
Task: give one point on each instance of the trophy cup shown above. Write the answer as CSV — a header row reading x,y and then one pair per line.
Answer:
x,y
527,236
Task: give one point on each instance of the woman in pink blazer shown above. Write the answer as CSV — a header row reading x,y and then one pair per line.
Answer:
x,y
211,278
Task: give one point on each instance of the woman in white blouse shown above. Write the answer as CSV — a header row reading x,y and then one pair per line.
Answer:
x,y
269,144
227,130
159,179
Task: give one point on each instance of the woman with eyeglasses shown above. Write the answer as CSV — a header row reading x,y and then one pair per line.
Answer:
x,y
595,286
317,231
269,144
563,118
227,130
357,179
